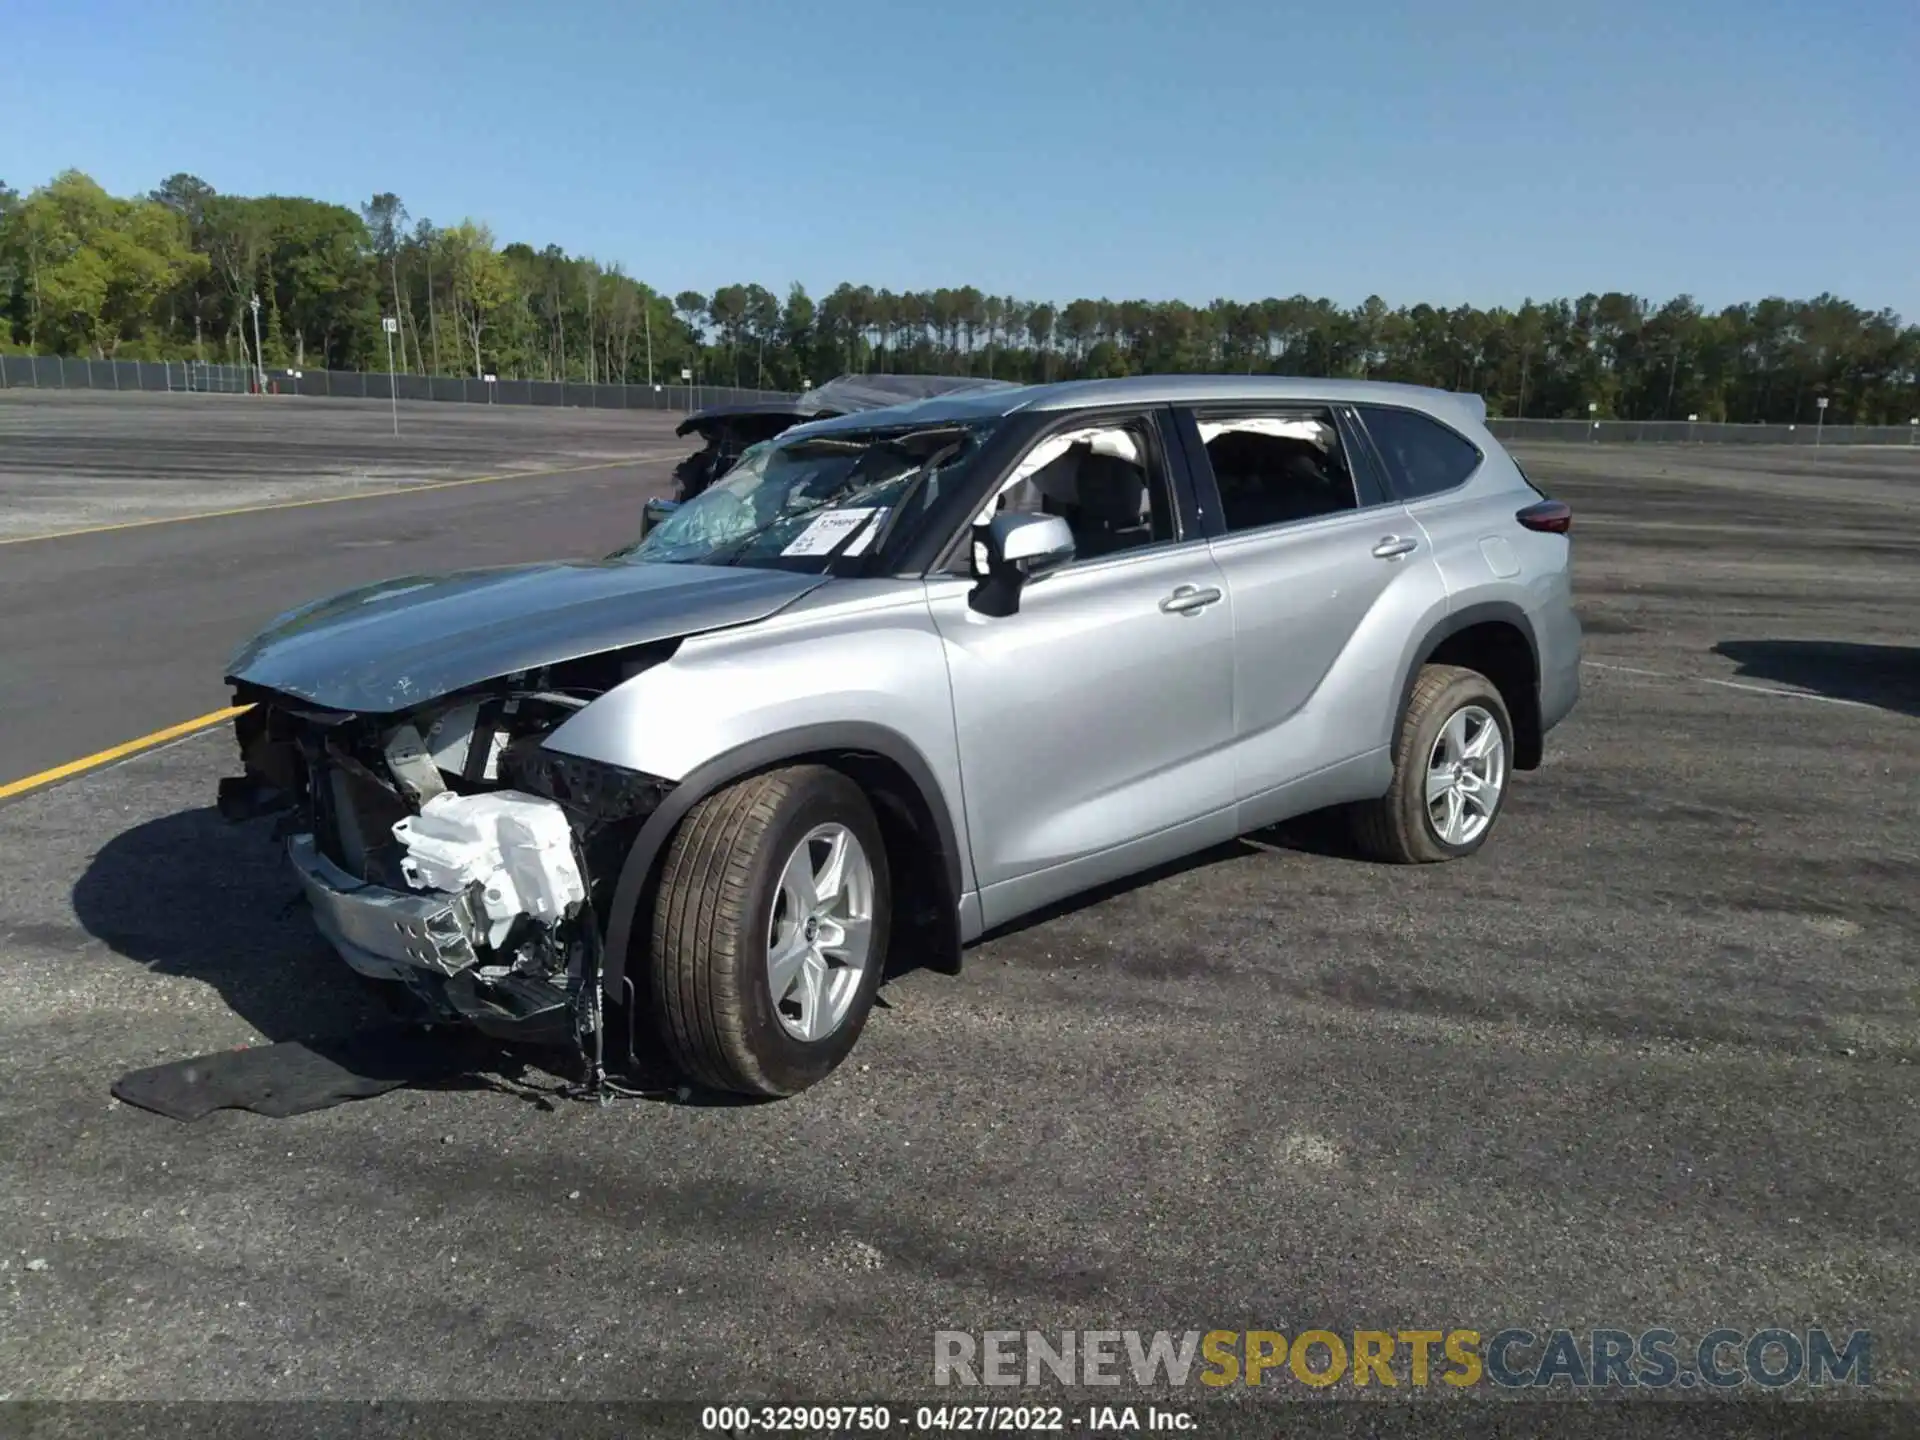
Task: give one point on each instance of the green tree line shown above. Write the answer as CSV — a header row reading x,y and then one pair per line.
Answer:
x,y
171,275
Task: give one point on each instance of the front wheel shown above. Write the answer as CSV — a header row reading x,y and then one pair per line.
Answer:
x,y
770,931
1450,772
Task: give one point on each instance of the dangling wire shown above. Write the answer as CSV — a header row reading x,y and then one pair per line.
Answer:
x,y
590,1038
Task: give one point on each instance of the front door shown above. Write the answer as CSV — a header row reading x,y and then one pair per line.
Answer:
x,y
1095,723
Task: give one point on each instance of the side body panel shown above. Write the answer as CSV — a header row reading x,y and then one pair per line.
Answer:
x,y
854,653
1093,726
1558,626
1092,734
1492,566
859,650
1488,559
1319,621
1313,684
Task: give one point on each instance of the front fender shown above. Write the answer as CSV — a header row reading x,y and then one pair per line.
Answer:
x,y
857,667
767,753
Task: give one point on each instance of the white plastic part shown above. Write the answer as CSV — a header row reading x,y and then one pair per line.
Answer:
x,y
517,848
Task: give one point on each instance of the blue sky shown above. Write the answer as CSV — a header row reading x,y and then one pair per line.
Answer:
x,y
1478,151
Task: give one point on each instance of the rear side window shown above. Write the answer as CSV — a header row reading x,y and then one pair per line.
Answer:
x,y
1424,456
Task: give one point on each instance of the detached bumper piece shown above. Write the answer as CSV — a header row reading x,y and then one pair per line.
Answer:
x,y
513,1007
386,934
298,1076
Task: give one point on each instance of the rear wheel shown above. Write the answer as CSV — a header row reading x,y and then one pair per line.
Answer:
x,y
1450,770
769,931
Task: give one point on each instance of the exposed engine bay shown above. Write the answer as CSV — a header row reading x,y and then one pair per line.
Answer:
x,y
445,849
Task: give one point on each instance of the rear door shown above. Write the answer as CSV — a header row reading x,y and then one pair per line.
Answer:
x,y
1323,568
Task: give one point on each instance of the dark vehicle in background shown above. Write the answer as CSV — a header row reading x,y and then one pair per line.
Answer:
x,y
728,431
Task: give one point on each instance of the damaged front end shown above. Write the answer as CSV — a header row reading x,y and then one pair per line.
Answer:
x,y
444,848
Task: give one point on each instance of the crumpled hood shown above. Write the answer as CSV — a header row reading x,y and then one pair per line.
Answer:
x,y
401,643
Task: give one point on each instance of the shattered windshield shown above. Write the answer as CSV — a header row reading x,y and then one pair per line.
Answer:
x,y
801,501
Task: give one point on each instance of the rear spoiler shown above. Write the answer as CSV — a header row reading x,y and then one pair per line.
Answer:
x,y
1474,405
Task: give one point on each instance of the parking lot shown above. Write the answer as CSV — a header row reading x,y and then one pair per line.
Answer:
x,y
74,458
1651,1059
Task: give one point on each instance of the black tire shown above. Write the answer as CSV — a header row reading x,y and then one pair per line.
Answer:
x,y
710,925
1397,828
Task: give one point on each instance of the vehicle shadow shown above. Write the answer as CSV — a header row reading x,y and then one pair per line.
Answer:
x,y
1322,833
1887,676
193,896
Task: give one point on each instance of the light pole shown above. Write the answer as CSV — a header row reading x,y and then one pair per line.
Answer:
x,y
259,360
646,312
1820,422
389,324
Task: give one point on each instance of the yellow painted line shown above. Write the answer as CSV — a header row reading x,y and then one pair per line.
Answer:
x,y
118,752
335,499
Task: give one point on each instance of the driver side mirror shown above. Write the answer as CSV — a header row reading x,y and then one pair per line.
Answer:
x,y
653,512
1010,550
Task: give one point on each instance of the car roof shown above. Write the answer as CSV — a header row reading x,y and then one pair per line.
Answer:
x,y
1069,395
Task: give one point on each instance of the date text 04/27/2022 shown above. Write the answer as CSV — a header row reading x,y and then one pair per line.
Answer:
x,y
963,1419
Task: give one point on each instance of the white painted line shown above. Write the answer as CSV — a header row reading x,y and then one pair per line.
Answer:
x,y
1733,685
1788,694
1629,670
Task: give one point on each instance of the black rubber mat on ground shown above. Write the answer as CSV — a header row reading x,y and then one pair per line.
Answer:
x,y
297,1076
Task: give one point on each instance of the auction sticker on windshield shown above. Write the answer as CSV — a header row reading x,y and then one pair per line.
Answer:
x,y
865,539
829,530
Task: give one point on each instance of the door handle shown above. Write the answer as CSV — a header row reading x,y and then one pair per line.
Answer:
x,y
1392,547
1189,599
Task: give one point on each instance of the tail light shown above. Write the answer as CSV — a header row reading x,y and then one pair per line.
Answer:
x,y
1550,517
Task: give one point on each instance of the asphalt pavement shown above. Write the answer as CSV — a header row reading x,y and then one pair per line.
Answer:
x,y
1650,1059
111,634
71,458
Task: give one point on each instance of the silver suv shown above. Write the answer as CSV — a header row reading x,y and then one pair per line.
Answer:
x,y
899,678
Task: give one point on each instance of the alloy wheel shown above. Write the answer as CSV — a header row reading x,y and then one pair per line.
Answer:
x,y
1466,773
820,932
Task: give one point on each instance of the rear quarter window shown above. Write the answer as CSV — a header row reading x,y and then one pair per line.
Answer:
x,y
1423,456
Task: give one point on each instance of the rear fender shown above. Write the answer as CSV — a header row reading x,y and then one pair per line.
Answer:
x,y
1453,623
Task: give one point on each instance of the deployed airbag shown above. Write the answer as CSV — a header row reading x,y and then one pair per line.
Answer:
x,y
1314,432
